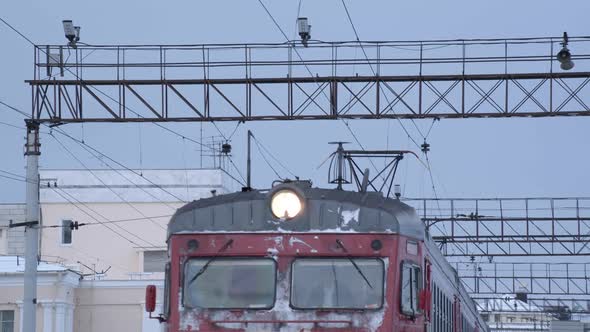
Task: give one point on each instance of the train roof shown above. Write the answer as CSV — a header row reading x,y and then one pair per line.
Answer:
x,y
325,210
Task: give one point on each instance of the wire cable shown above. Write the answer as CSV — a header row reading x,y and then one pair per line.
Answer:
x,y
15,109
101,92
243,182
103,183
88,147
110,221
11,125
374,73
261,146
267,162
235,130
102,223
12,178
314,78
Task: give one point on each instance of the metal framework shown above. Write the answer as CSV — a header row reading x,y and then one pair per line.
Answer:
x,y
245,82
340,174
555,279
564,305
508,226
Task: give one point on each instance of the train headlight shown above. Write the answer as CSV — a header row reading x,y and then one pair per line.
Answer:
x,y
285,204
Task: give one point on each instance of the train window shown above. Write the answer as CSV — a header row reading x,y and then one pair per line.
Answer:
x,y
410,286
166,308
337,283
230,283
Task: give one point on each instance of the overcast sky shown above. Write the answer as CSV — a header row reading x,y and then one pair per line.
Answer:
x,y
487,158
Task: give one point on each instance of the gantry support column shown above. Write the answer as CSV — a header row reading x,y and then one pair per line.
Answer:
x,y
32,152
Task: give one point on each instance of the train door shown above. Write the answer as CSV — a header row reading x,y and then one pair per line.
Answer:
x,y
425,299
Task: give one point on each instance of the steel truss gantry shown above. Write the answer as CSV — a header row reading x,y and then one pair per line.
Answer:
x,y
243,82
564,306
494,227
554,279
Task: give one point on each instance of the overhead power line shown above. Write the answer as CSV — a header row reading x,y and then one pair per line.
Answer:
x,y
101,92
110,221
103,223
314,78
11,125
88,147
374,73
263,149
102,181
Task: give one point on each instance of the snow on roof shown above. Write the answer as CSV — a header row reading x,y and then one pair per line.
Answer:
x,y
507,303
148,185
16,264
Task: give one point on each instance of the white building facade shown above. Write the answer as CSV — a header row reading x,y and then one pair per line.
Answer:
x,y
99,270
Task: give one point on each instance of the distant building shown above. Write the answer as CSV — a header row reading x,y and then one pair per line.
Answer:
x,y
509,314
102,268
12,240
121,215
569,326
67,303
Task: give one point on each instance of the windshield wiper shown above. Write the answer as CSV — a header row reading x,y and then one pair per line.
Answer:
x,y
204,268
358,269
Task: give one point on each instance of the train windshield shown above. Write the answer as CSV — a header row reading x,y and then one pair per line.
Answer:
x,y
337,283
230,283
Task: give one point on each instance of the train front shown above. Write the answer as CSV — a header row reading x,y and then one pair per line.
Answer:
x,y
294,258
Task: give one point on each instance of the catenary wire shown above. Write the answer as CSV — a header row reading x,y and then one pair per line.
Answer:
x,y
266,160
313,77
101,181
102,223
261,146
101,92
374,73
85,146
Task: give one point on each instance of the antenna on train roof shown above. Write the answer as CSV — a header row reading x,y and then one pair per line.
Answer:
x,y
248,186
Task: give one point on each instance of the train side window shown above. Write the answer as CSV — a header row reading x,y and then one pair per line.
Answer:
x,y
410,287
166,307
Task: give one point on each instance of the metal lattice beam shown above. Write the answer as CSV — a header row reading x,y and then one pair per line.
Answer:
x,y
556,279
563,305
406,80
508,226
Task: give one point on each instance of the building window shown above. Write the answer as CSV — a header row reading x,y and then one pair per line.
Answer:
x,y
7,321
154,261
66,232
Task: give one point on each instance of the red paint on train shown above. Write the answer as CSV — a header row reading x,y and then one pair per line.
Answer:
x,y
284,248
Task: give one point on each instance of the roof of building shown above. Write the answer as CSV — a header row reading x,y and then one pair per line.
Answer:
x,y
507,303
147,185
325,210
16,264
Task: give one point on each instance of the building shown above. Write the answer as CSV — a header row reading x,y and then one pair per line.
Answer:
x,y
509,314
67,302
569,326
121,216
102,241
12,240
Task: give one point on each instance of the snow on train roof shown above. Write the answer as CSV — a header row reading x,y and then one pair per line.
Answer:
x,y
325,210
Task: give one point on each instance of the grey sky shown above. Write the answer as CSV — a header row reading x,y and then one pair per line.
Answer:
x,y
492,157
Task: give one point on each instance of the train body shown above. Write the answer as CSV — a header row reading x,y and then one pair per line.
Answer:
x,y
333,260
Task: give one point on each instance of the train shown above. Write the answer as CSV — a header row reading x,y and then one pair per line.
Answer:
x,y
306,259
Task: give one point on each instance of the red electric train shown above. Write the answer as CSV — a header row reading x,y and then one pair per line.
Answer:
x,y
297,258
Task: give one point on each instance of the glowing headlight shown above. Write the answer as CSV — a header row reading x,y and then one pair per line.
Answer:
x,y
285,204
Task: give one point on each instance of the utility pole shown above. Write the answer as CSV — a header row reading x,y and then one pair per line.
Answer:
x,y
32,152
